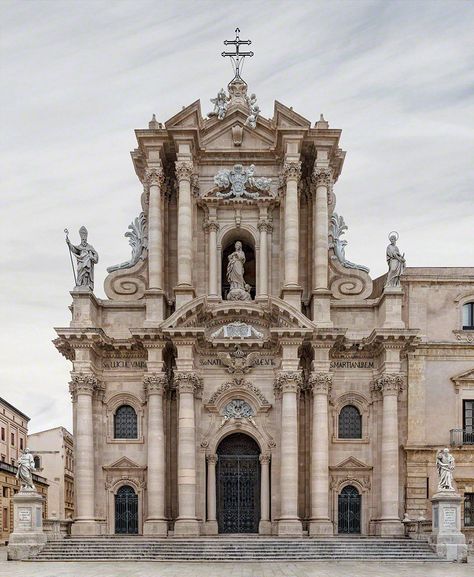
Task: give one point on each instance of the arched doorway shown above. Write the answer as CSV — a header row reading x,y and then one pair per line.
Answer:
x,y
126,511
250,267
349,510
238,484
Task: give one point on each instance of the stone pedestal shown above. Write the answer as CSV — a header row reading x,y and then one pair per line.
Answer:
x,y
28,537
447,538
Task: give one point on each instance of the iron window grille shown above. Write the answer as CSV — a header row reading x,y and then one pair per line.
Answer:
x,y
125,423
350,423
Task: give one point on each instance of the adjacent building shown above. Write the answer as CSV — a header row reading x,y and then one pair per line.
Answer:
x,y
53,451
242,375
13,438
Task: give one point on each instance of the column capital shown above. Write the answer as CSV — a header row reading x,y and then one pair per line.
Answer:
x,y
322,177
287,382
184,169
212,459
188,382
265,458
320,383
82,384
265,226
154,176
155,383
389,383
211,225
291,169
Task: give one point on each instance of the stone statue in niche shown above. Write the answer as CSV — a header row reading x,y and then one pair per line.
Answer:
x,y
86,257
396,262
339,227
137,238
26,466
220,105
239,289
445,466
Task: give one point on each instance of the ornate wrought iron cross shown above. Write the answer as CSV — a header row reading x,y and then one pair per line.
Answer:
x,y
237,57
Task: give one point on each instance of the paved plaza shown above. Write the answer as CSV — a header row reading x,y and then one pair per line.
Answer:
x,y
155,569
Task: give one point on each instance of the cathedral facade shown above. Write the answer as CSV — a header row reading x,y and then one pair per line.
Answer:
x,y
242,375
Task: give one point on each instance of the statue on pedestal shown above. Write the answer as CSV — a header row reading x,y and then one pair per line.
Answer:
x,y
239,289
86,257
445,466
396,262
26,466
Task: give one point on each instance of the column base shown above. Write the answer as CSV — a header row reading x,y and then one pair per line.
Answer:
x,y
389,528
183,294
320,527
290,528
157,527
155,307
321,308
265,528
292,296
210,528
186,528
85,527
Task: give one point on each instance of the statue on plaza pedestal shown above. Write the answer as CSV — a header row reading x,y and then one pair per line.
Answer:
x,y
86,257
396,262
239,289
445,466
26,466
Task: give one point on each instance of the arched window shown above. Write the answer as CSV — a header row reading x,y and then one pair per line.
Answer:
x,y
125,423
37,461
350,423
468,316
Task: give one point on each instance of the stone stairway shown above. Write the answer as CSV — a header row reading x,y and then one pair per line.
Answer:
x,y
238,549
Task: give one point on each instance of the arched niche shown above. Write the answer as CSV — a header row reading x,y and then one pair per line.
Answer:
x,y
227,247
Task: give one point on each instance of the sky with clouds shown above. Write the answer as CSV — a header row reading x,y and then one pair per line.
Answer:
x,y
77,77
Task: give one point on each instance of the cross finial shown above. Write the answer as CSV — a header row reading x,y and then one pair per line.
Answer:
x,y
237,57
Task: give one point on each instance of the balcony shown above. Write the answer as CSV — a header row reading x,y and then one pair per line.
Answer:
x,y
460,437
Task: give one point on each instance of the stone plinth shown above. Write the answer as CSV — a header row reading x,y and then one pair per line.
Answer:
x,y
447,538
28,537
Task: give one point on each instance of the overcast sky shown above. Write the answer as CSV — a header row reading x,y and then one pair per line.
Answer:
x,y
77,77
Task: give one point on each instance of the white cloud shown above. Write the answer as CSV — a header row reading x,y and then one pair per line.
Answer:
x,y
78,77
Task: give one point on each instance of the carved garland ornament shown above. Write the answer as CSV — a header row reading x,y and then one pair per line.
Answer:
x,y
288,382
390,383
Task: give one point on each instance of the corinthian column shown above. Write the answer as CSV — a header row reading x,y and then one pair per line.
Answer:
x,y
390,385
263,226
155,523
265,526
211,494
82,387
287,386
291,173
320,524
184,291
212,227
187,383
154,180
322,178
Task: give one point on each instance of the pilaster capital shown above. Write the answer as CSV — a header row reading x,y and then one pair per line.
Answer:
x,y
264,226
287,382
154,176
320,383
211,459
265,458
188,382
82,384
389,383
155,383
184,169
291,170
322,177
211,225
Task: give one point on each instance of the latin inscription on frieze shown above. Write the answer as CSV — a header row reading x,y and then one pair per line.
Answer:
x,y
352,364
119,364
263,362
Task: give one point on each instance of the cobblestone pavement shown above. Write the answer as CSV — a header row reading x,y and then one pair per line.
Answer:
x,y
155,569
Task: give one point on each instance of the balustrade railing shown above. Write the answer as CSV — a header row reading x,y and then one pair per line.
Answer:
x,y
460,437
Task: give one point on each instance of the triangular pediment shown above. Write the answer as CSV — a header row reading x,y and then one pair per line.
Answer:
x,y
466,376
188,117
123,463
285,117
351,464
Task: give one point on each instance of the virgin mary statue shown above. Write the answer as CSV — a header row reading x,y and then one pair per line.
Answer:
x,y
239,289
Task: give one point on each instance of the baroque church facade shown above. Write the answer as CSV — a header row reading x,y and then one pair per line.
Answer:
x,y
242,375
